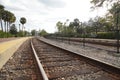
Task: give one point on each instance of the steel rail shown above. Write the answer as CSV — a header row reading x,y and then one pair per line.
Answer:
x,y
39,64
105,66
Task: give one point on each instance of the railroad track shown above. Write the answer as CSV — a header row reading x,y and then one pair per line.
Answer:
x,y
51,63
59,64
105,42
21,66
102,44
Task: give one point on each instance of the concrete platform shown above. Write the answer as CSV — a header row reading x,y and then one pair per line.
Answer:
x,y
110,58
8,48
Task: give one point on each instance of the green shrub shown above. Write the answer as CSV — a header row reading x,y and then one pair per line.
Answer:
x,y
106,35
4,35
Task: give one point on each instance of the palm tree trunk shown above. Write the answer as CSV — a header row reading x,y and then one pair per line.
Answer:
x,y
1,24
23,29
5,25
7,30
9,26
19,27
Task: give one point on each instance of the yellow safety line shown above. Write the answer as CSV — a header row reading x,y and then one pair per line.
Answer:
x,y
6,45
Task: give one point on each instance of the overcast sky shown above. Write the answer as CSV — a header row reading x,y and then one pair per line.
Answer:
x,y
44,14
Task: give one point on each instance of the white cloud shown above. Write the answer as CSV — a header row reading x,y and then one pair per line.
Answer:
x,y
43,14
53,3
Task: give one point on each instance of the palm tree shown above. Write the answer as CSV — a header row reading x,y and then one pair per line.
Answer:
x,y
76,24
1,12
59,26
22,21
11,19
1,7
8,18
9,15
4,17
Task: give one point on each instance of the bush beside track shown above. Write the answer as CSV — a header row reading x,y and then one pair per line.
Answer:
x,y
4,34
106,35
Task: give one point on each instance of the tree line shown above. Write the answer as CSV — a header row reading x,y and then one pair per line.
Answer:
x,y
7,26
39,33
98,27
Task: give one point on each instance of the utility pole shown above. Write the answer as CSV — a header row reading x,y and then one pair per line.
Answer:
x,y
117,26
83,33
